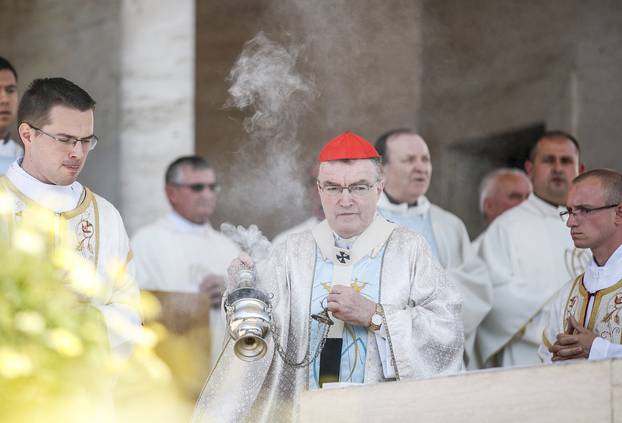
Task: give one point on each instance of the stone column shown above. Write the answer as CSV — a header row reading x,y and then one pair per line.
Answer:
x,y
157,101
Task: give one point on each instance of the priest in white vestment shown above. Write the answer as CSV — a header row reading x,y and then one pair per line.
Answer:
x,y
407,170
584,319
182,252
396,315
530,256
500,190
56,127
9,148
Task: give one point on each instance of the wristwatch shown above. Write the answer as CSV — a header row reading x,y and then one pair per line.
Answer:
x,y
377,318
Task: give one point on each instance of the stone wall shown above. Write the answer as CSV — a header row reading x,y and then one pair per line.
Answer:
x,y
455,72
79,41
136,59
494,66
364,62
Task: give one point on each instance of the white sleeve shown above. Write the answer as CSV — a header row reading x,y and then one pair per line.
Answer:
x,y
385,353
602,349
121,313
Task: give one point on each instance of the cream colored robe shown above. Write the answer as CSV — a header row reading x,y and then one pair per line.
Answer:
x,y
423,323
594,299
309,224
173,255
101,238
464,268
530,255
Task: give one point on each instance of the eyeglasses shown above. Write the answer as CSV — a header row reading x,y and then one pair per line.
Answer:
x,y
86,143
356,190
214,187
581,212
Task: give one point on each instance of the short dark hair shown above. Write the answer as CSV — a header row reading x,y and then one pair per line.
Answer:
x,y
381,142
553,134
610,180
45,93
194,162
6,65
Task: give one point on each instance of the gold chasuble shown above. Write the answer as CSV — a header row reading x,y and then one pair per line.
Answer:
x,y
97,231
83,221
603,318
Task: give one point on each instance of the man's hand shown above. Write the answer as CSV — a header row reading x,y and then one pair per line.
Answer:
x,y
214,286
349,306
576,343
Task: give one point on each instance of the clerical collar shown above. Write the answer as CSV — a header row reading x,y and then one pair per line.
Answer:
x,y
422,207
601,277
184,225
59,198
394,201
345,243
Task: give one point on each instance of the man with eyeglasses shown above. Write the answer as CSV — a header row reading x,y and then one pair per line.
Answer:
x,y
9,149
584,321
530,255
395,314
56,127
408,168
182,252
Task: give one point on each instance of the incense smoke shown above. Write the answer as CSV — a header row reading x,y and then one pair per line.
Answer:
x,y
266,86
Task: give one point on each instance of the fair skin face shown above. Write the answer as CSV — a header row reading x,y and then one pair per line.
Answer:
x,y
508,190
8,101
50,161
601,232
408,168
349,215
554,165
197,207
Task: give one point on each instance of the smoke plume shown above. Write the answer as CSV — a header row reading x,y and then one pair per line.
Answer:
x,y
265,84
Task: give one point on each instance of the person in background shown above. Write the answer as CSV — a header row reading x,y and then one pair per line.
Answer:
x,y
9,148
584,319
407,167
182,252
500,190
530,255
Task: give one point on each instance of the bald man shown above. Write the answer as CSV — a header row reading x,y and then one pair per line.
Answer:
x,y
530,255
500,190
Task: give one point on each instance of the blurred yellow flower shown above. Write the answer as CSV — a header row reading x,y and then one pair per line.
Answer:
x,y
65,342
150,307
29,242
29,322
6,204
14,364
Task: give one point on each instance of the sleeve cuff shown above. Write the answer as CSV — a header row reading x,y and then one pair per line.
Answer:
x,y
600,349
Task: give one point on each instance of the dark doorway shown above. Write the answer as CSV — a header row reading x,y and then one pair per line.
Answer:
x,y
470,160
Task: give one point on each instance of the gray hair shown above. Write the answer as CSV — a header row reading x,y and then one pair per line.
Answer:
x,y
489,184
376,161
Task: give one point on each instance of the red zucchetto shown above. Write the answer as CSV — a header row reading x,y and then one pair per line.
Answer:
x,y
348,146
